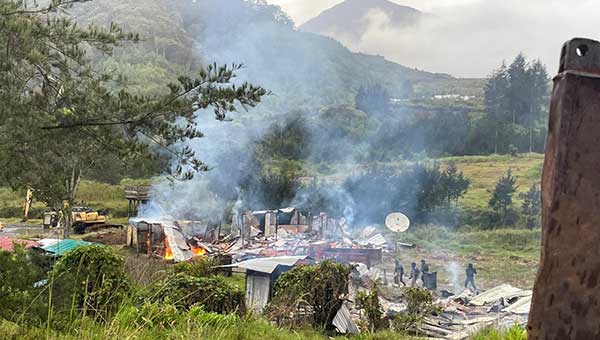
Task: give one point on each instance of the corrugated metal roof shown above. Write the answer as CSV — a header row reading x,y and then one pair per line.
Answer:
x,y
178,244
522,306
505,291
268,264
47,241
344,323
6,243
61,247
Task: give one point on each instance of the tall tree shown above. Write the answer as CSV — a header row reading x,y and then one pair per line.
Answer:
x,y
497,99
539,90
59,114
518,92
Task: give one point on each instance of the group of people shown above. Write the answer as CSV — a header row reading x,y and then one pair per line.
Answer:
x,y
416,272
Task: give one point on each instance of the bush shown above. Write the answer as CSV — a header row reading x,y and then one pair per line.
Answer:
x,y
19,271
322,288
369,302
419,305
212,294
90,279
199,267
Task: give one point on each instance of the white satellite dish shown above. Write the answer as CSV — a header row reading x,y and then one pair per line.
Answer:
x,y
397,222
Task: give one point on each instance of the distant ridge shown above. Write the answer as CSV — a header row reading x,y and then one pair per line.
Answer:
x,y
349,19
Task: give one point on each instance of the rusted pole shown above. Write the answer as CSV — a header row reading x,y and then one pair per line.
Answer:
x,y
566,298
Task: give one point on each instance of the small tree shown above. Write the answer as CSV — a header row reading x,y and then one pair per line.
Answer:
x,y
320,288
502,197
419,305
455,183
531,207
369,302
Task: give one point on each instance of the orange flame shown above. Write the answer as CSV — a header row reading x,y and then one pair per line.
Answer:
x,y
198,251
168,252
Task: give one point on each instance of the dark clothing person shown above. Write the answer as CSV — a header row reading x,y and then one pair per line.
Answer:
x,y
424,267
399,273
414,274
471,271
424,270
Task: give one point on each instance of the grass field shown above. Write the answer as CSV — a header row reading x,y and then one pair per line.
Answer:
x,y
484,171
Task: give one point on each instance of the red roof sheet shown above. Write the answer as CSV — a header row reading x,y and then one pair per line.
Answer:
x,y
6,243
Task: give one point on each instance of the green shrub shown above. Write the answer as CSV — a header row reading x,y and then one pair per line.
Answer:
x,y
419,305
212,294
202,266
91,280
515,333
321,287
19,271
369,302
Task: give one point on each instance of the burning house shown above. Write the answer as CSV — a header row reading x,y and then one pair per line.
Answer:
x,y
163,239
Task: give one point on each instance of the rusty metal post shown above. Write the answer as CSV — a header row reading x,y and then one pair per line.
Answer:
x,y
566,298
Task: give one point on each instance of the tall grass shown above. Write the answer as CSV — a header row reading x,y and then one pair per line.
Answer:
x,y
514,333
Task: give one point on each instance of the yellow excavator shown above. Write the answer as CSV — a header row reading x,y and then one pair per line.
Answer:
x,y
84,219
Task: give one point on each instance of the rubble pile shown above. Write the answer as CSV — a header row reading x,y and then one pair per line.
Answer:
x,y
282,232
267,243
466,313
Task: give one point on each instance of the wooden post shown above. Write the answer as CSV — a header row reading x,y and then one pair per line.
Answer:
x,y
242,230
219,232
566,298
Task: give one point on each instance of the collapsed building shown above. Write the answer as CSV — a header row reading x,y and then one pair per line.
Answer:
x,y
265,244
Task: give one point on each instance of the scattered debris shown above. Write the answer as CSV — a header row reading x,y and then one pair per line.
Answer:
x,y
343,321
466,313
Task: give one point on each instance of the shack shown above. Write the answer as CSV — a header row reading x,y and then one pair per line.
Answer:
x,y
261,274
161,239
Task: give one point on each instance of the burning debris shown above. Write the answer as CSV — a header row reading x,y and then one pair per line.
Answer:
x,y
265,244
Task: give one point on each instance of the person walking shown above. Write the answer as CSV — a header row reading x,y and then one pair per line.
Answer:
x,y
398,273
471,271
424,271
414,274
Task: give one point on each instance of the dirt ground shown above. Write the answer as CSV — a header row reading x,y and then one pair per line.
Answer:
x,y
113,237
26,230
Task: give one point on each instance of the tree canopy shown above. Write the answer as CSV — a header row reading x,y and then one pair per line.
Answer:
x,y
60,116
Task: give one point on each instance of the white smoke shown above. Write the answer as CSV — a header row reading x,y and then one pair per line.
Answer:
x,y
469,38
454,272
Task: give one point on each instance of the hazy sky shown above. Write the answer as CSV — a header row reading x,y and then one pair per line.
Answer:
x,y
470,37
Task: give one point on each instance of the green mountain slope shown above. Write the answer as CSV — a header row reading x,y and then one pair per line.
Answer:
x,y
301,69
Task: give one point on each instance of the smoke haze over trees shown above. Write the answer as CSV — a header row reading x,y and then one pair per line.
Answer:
x,y
329,107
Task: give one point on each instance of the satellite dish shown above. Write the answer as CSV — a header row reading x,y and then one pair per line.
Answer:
x,y
397,222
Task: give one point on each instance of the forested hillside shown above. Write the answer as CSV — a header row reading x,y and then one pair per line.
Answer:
x,y
301,69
